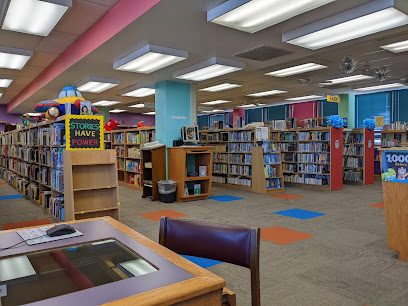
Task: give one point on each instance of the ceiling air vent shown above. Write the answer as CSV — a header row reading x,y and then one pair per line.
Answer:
x,y
262,53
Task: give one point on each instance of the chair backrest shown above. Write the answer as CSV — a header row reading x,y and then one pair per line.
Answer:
x,y
232,244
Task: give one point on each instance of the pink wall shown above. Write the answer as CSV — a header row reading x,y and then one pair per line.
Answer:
x,y
303,110
132,119
238,112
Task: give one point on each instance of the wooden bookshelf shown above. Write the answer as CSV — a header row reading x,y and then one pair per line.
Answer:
x,y
153,170
358,156
311,157
91,185
126,143
181,161
394,138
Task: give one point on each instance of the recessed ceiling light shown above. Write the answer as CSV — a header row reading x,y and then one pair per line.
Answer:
x,y
117,111
139,105
32,114
373,17
215,102
397,47
96,85
260,104
252,16
221,87
36,17
105,103
208,69
352,78
150,58
13,58
378,87
311,97
247,105
5,81
149,113
138,90
296,70
267,93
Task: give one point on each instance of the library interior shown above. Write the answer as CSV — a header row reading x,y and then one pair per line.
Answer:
x,y
207,152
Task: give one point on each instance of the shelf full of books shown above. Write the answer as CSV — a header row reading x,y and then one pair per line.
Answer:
x,y
32,162
394,135
126,143
311,157
358,156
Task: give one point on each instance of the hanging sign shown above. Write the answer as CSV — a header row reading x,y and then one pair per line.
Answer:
x,y
262,133
394,166
84,132
333,99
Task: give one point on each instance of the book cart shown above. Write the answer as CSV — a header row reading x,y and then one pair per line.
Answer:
x,y
358,156
126,143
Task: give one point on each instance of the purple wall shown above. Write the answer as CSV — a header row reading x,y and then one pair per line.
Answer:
x,y
10,118
132,118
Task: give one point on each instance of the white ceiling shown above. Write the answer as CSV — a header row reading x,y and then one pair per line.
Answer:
x,y
181,24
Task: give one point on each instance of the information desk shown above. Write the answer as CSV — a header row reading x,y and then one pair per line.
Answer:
x,y
109,264
396,200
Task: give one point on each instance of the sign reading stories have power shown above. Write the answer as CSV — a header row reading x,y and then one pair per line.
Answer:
x,y
84,132
395,166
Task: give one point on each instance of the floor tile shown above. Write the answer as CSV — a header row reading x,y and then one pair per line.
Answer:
x,y
378,205
10,197
286,196
202,262
156,215
225,198
282,236
299,213
25,224
3,183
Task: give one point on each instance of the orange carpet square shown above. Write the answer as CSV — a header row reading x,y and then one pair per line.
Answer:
x,y
3,183
9,226
286,196
282,236
378,205
156,215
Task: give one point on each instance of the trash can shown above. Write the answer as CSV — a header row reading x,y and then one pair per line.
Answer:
x,y
167,191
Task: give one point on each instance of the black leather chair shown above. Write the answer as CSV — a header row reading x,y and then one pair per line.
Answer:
x,y
232,244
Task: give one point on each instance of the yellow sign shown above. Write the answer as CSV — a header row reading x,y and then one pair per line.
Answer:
x,y
84,132
333,99
379,121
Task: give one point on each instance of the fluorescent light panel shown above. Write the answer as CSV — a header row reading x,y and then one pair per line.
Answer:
x,y
247,105
397,47
117,111
34,16
311,97
13,58
267,93
373,17
261,104
96,85
105,103
296,70
1,94
379,87
33,114
215,102
352,78
254,15
139,90
209,69
4,83
150,58
149,113
139,105
221,87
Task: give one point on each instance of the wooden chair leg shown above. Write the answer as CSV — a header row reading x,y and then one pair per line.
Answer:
x,y
228,297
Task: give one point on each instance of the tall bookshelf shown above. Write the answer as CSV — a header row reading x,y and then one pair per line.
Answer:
x,y
358,156
394,138
311,157
126,143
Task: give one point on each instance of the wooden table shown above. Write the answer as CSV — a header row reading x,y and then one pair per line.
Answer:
x,y
200,288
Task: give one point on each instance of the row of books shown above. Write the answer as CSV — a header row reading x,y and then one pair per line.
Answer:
x,y
353,150
289,167
314,147
29,137
107,137
219,179
57,180
240,158
353,175
13,152
313,168
57,158
282,136
56,207
222,148
269,147
44,136
121,164
132,165
240,170
270,171
240,181
271,158
28,154
353,162
288,147
134,152
120,151
147,136
220,158
353,137
398,125
390,143
23,185
135,179
303,136
58,134
241,136
217,136
45,176
273,183
310,179
314,158
220,168
241,147
45,156
119,138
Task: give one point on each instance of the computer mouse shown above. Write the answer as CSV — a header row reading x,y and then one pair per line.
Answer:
x,y
59,230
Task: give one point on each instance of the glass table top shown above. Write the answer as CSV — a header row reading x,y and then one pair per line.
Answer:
x,y
45,274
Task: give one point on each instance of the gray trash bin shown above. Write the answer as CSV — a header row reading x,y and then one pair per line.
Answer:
x,y
167,191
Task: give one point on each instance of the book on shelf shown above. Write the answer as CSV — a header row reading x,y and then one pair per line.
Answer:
x,y
353,175
273,183
242,181
56,206
398,125
58,134
57,180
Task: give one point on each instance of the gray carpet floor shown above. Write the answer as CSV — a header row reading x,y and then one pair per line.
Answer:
x,y
347,262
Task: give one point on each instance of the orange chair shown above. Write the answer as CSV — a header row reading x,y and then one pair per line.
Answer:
x,y
232,244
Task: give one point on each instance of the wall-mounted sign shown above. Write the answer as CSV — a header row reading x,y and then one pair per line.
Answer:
x,y
204,109
394,166
149,104
178,117
262,133
333,99
379,121
84,132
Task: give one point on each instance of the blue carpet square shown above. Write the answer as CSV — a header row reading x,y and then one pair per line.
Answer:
x,y
286,186
225,198
10,197
202,262
299,213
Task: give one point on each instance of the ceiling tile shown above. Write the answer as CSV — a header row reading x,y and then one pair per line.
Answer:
x,y
56,43
104,2
18,40
42,59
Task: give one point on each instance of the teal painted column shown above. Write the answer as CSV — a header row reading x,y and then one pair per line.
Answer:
x,y
105,111
175,106
347,109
